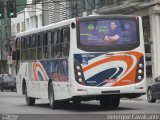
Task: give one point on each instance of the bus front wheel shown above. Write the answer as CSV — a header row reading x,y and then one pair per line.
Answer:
x,y
53,103
29,100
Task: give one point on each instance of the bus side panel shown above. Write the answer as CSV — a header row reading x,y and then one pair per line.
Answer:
x,y
54,70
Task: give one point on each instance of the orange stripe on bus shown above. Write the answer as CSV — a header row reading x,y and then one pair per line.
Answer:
x,y
36,66
34,74
127,59
132,75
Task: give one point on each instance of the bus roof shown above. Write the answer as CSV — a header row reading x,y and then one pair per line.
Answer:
x,y
46,28
67,22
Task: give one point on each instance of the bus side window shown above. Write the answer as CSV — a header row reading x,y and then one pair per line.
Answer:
x,y
16,55
49,44
33,50
40,39
22,57
29,52
65,42
39,45
18,43
23,45
45,38
53,38
46,53
23,52
57,44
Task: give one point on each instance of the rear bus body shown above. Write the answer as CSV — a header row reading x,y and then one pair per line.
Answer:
x,y
90,71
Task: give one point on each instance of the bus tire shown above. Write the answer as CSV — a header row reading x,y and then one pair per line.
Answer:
x,y
109,102
76,101
29,100
115,102
53,103
104,102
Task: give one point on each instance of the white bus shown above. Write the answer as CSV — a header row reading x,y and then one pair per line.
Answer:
x,y
85,58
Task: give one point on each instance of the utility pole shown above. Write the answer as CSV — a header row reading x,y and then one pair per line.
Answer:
x,y
5,35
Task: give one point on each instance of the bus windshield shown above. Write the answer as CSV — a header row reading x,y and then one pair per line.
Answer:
x,y
110,32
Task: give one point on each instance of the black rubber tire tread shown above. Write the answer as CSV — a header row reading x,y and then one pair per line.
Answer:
x,y
109,101
53,103
29,100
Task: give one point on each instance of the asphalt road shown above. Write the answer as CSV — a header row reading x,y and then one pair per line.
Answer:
x,y
13,105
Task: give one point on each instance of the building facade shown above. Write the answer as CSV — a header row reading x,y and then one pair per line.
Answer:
x,y
5,37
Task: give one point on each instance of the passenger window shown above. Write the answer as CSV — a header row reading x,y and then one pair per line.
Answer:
x,y
65,42
24,55
49,37
40,39
39,53
33,50
23,42
29,54
52,51
57,49
45,39
16,55
33,40
39,45
18,43
28,39
46,50
55,37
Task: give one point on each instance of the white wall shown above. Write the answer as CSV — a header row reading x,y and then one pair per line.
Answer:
x,y
30,19
155,28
